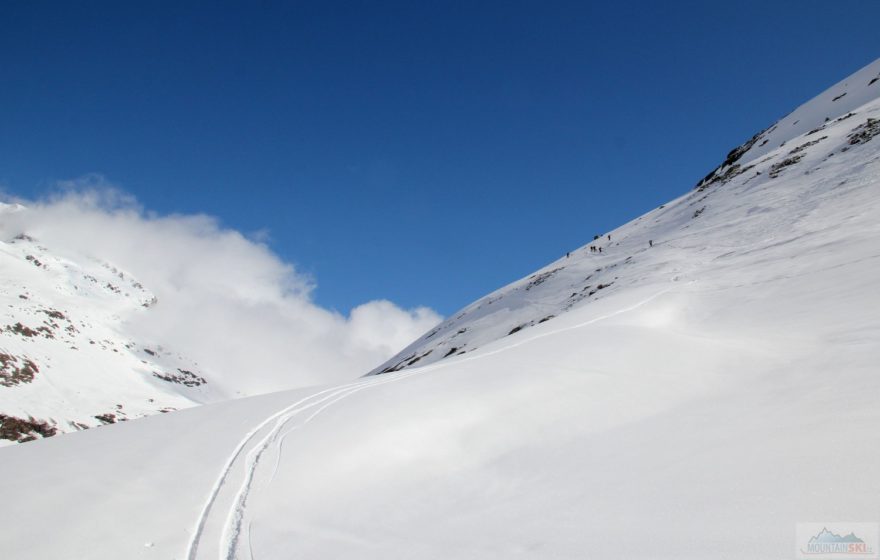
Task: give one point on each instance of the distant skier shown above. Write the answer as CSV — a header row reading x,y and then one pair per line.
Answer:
x,y
650,243
609,238
568,254
600,249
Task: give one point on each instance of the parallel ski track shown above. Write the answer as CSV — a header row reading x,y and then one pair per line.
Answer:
x,y
232,531
280,418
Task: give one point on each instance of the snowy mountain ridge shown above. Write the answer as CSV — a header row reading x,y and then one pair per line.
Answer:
x,y
836,102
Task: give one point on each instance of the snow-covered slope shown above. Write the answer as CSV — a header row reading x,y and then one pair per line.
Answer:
x,y
109,313
720,387
799,144
815,115
66,362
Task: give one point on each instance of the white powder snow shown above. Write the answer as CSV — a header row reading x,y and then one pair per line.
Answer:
x,y
718,389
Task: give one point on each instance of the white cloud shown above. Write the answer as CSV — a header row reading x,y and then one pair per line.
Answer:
x,y
225,300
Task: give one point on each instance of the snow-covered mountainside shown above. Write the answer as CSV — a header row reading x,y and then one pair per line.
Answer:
x,y
109,313
802,143
694,390
66,362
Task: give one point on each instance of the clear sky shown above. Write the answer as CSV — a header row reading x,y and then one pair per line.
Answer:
x,y
424,152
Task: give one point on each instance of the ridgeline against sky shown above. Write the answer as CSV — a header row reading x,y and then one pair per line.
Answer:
x,y
392,150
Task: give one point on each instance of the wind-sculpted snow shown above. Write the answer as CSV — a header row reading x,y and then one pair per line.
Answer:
x,y
694,390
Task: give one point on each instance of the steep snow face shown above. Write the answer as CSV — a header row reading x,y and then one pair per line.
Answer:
x,y
721,387
65,361
837,103
804,142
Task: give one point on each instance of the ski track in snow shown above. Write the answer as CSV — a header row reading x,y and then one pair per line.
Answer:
x,y
192,547
232,531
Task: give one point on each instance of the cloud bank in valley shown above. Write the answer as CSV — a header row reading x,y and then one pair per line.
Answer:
x,y
225,300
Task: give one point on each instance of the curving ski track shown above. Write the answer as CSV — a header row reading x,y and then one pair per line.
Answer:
x,y
232,534
192,547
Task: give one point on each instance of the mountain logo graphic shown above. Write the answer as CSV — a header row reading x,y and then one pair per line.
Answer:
x,y
827,542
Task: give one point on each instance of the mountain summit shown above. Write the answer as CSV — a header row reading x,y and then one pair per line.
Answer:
x,y
688,385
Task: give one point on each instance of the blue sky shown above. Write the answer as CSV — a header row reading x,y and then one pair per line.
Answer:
x,y
423,152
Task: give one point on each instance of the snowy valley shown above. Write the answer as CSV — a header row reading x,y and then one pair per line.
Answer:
x,y
698,387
